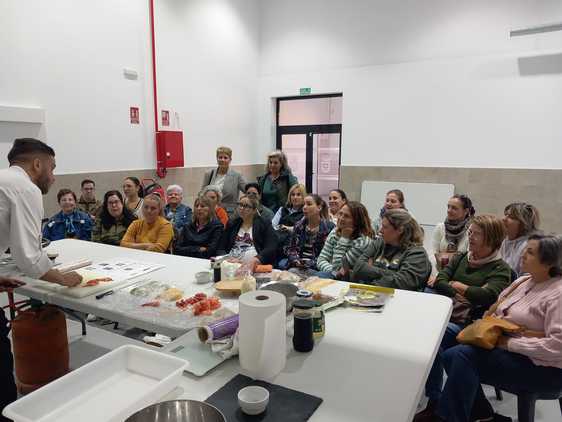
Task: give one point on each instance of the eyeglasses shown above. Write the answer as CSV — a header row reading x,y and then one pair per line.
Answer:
x,y
246,206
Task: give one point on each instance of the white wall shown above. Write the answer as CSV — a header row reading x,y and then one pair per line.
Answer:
x,y
433,83
208,52
68,58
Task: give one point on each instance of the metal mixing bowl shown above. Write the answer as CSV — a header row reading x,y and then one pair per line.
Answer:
x,y
287,289
178,411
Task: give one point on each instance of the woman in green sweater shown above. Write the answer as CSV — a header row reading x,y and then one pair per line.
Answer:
x,y
474,281
346,242
397,258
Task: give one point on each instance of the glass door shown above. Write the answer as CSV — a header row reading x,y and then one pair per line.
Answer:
x,y
309,132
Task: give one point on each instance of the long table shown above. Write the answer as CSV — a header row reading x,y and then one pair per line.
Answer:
x,y
368,366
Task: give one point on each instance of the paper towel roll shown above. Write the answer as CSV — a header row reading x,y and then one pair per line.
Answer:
x,y
262,333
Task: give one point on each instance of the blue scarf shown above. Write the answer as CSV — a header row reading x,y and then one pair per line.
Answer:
x,y
70,230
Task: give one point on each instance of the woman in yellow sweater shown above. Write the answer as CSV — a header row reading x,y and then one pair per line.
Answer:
x,y
151,233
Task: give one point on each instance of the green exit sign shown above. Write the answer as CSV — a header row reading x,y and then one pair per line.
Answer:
x,y
305,91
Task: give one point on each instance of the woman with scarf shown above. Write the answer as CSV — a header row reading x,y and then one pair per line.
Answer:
x,y
474,281
69,222
521,220
451,236
276,182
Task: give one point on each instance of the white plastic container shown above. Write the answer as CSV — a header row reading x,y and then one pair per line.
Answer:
x,y
110,388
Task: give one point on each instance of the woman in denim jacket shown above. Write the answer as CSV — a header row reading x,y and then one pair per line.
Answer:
x,y
69,222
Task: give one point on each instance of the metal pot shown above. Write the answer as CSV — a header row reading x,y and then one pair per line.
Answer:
x,y
287,289
178,411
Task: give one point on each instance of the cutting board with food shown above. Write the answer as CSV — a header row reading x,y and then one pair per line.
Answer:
x,y
92,283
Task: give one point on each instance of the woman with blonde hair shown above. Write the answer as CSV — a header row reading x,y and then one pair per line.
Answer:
x,y
200,237
276,181
520,220
345,244
398,257
153,232
228,181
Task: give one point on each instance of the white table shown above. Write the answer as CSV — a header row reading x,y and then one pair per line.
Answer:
x,y
178,270
368,367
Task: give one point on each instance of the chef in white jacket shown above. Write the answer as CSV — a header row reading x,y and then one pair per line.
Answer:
x,y
22,185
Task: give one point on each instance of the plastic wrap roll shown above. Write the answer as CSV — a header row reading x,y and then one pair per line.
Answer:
x,y
218,329
262,333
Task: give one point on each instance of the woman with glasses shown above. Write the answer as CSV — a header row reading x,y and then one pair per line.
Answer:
x,y
521,220
152,232
249,237
474,281
113,220
200,238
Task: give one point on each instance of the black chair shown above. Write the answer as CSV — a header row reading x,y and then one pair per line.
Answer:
x,y
526,402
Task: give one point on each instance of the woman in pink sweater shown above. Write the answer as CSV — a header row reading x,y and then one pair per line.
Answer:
x,y
528,362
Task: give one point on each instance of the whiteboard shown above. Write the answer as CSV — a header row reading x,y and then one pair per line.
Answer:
x,y
426,201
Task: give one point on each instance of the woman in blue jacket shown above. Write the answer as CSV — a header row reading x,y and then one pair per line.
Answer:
x,y
69,222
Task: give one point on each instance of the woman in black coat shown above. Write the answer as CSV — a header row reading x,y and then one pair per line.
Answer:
x,y
201,237
249,237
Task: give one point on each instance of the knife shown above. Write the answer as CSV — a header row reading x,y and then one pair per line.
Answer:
x,y
102,295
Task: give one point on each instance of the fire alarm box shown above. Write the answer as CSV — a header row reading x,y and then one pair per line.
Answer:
x,y
169,149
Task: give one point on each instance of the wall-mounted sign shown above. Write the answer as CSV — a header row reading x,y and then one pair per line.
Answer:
x,y
134,115
165,118
305,91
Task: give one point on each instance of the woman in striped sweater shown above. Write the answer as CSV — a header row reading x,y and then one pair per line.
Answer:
x,y
346,242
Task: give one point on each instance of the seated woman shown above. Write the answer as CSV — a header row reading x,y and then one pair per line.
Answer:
x,y
69,222
253,190
345,244
286,216
473,280
521,220
528,361
175,212
394,199
113,220
308,237
132,189
200,238
336,199
451,236
153,232
213,193
398,257
249,237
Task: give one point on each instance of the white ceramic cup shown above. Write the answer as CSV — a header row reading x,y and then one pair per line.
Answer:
x,y
253,399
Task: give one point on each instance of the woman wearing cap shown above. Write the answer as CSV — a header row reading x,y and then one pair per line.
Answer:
x,y
229,181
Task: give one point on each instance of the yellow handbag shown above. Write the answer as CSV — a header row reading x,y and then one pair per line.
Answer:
x,y
485,332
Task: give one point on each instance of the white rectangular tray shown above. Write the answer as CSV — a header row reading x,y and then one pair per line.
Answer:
x,y
108,389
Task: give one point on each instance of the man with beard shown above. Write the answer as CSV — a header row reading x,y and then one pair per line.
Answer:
x,y
21,209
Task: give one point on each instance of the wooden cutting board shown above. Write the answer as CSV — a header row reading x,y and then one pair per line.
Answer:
x,y
235,286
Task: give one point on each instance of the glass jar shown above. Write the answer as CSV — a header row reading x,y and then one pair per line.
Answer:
x,y
318,320
303,338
